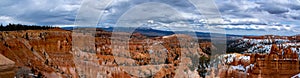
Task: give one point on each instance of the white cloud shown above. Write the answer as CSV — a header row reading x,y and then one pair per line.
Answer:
x,y
238,15
42,12
256,27
6,20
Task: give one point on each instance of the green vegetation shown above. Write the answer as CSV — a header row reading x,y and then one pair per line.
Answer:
x,y
15,27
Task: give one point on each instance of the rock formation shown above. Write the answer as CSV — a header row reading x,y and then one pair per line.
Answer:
x,y
7,67
279,63
49,53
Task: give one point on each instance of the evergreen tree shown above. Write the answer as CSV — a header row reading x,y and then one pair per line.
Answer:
x,y
16,27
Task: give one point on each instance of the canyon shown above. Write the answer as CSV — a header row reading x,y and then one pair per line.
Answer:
x,y
53,53
49,53
265,57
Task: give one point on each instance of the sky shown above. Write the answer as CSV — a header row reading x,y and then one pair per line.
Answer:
x,y
240,17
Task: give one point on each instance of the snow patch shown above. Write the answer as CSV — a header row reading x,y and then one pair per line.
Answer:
x,y
244,57
296,76
238,67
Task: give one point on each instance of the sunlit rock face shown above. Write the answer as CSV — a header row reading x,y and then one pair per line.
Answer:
x,y
43,53
7,67
51,54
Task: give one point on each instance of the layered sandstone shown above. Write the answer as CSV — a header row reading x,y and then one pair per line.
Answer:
x,y
52,53
39,52
7,67
279,63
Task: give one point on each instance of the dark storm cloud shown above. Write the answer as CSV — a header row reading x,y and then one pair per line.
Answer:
x,y
274,9
237,14
43,12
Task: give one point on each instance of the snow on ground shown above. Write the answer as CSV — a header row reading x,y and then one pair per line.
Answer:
x,y
297,50
228,58
296,76
264,45
260,41
290,44
238,67
249,67
259,48
245,58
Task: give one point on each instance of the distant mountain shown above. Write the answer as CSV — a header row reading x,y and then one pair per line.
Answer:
x,y
147,31
67,28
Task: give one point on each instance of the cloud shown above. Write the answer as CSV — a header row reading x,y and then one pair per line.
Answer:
x,y
256,27
119,7
269,15
42,12
6,20
238,15
261,9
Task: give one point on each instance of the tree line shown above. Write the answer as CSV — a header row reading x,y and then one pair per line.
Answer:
x,y
15,27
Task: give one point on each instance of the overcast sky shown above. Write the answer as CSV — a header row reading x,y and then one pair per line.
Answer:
x,y
242,17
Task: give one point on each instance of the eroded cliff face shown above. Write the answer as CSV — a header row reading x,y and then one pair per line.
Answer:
x,y
7,67
269,57
39,52
140,56
49,53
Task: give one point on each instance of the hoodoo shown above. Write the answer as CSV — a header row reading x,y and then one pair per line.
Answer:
x,y
6,67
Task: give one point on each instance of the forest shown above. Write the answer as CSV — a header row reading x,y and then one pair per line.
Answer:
x,y
16,27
